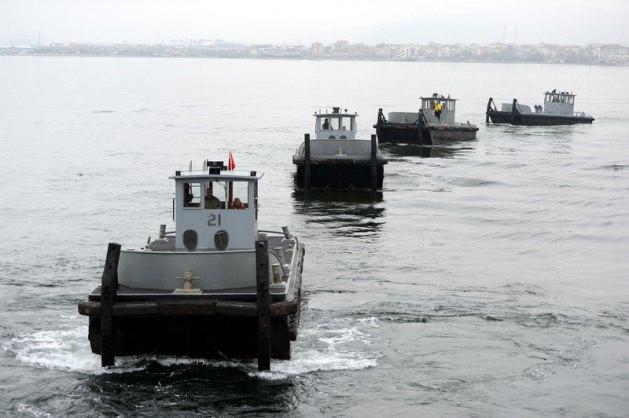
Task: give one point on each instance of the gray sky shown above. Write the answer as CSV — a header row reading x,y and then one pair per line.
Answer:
x,y
293,21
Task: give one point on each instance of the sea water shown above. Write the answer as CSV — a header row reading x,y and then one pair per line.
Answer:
x,y
490,277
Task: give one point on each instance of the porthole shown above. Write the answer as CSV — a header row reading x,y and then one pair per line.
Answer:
x,y
190,239
221,240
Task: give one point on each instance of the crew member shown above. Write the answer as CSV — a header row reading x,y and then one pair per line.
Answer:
x,y
438,107
211,201
237,204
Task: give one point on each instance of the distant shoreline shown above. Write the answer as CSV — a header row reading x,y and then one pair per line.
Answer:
x,y
289,58
497,52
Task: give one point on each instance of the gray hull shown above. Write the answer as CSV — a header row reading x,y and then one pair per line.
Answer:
x,y
447,133
406,133
535,119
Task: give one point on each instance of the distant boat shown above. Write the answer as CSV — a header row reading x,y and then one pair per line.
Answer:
x,y
558,109
336,159
434,124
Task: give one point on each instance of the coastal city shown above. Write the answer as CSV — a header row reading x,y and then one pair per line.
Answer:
x,y
600,54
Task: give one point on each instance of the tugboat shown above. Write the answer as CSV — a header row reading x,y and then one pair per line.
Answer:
x,y
335,159
434,124
558,109
214,286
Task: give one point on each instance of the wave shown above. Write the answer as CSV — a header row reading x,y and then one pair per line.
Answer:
x,y
318,349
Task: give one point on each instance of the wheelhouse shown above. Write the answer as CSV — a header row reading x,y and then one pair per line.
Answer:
x,y
215,209
335,124
559,103
431,105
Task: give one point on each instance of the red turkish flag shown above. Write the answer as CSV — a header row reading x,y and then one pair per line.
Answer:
x,y
231,164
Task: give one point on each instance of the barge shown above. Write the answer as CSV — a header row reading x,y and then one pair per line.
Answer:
x,y
434,124
216,286
558,109
336,159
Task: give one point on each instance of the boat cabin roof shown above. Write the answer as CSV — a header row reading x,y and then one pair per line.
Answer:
x,y
222,175
336,112
560,93
442,99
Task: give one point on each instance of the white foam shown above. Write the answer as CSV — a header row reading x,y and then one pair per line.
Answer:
x,y
66,349
335,350
69,349
318,349
312,361
25,409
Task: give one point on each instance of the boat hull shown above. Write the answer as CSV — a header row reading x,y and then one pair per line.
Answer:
x,y
339,176
199,336
412,133
535,119
340,164
210,324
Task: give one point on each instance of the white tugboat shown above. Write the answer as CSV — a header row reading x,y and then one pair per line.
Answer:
x,y
434,124
199,290
336,159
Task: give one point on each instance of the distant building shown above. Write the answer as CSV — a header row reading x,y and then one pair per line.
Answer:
x,y
316,50
606,54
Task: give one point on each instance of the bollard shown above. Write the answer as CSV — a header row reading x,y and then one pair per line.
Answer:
x,y
108,289
307,161
374,163
263,305
514,110
278,273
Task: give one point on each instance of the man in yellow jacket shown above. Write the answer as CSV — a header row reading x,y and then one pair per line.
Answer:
x,y
437,108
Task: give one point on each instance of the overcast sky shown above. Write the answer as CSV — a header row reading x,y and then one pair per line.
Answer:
x,y
294,21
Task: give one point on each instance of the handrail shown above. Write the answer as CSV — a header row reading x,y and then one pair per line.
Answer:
x,y
266,231
281,265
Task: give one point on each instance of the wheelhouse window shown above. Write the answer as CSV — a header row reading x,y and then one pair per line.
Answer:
x,y
239,196
343,123
325,123
192,195
215,194
335,123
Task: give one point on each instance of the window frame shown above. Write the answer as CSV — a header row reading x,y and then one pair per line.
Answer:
x,y
224,193
184,204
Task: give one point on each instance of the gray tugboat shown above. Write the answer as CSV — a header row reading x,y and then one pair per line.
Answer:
x,y
214,286
558,109
336,159
434,124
